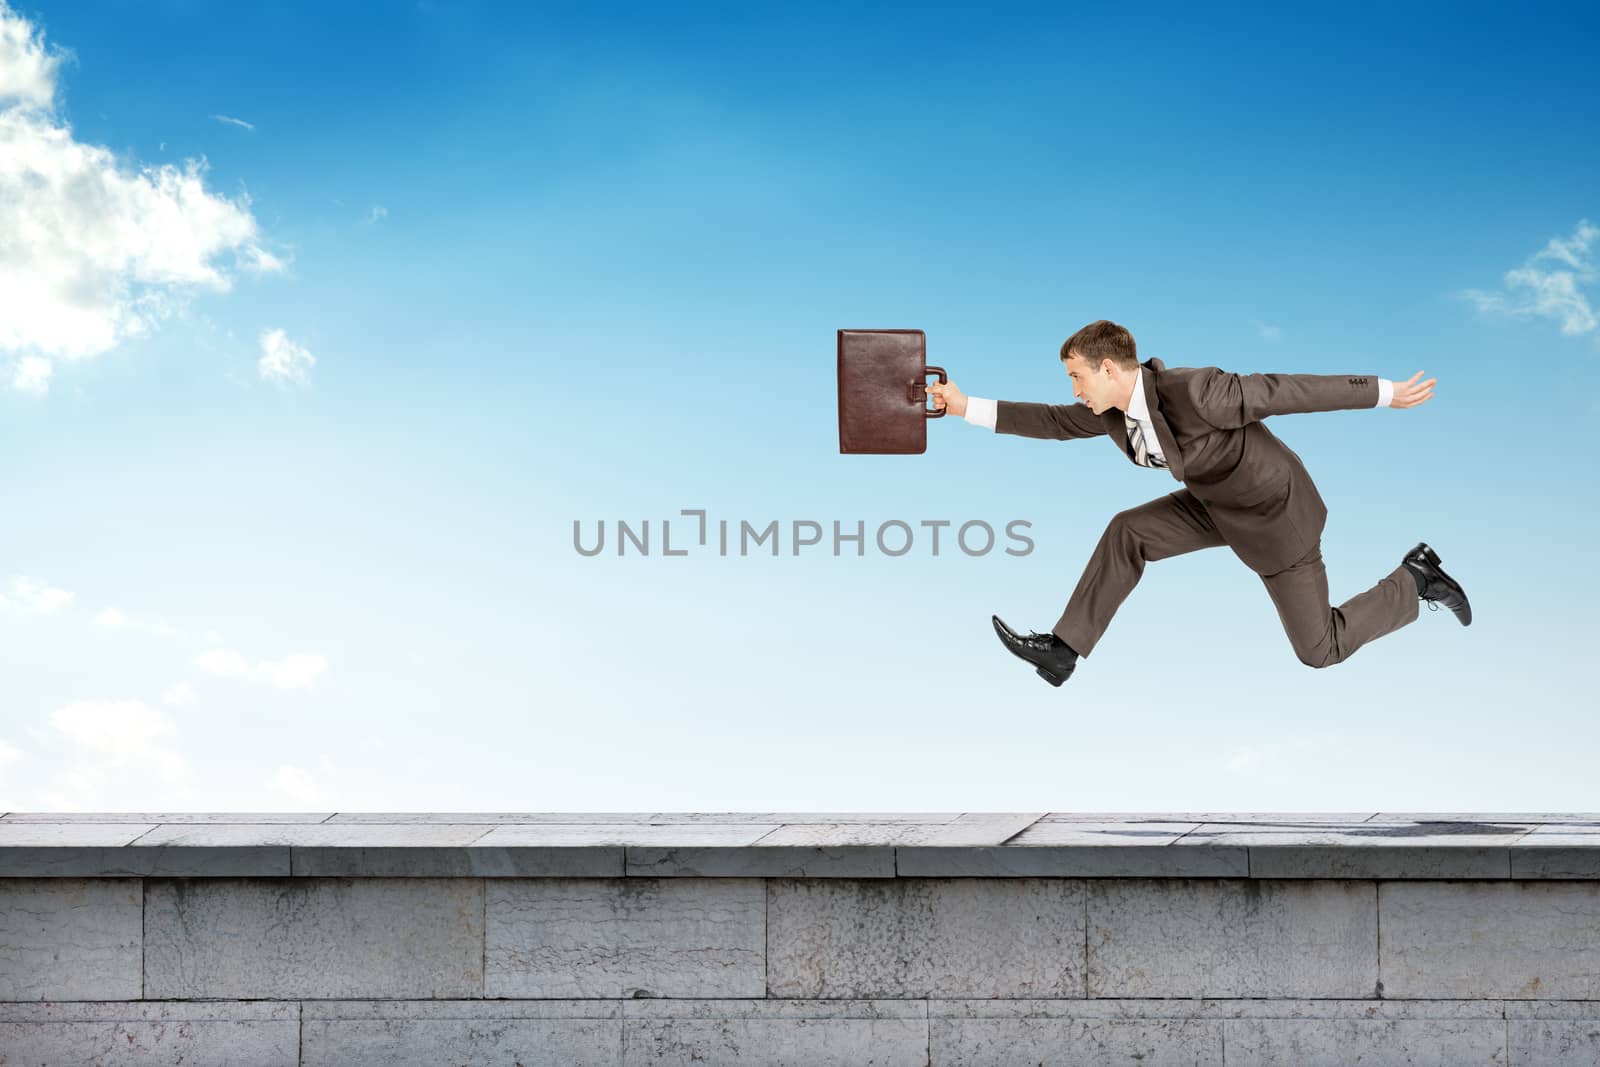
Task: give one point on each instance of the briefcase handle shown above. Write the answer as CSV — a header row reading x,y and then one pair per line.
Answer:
x,y
919,391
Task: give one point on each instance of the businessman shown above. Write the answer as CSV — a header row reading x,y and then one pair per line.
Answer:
x,y
1242,487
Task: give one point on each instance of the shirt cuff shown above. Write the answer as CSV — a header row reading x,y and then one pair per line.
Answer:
x,y
981,412
1385,392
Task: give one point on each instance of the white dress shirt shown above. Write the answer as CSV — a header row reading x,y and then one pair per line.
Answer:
x,y
1138,411
981,412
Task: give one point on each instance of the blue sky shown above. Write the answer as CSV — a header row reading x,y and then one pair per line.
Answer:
x,y
296,448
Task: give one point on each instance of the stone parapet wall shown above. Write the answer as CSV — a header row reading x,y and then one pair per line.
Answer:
x,y
257,942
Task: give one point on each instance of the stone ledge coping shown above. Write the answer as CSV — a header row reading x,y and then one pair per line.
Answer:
x,y
799,845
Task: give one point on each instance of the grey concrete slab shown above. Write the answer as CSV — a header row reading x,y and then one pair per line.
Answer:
x,y
463,818
1517,940
1554,862
1069,861
1368,835
396,1033
122,1034
213,817
1558,850
431,835
1080,832
787,817
472,861
87,849
825,835
1582,834
986,828
314,938
797,1033
70,939
1369,850
757,861
1339,1042
625,937
388,850
706,835
989,830
1302,818
1517,817
1379,861
134,861
922,937
71,835
646,817
1231,937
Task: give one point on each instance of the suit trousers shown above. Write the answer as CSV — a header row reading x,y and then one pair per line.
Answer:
x,y
1320,634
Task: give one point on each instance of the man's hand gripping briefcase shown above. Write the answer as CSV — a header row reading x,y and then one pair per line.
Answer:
x,y
883,391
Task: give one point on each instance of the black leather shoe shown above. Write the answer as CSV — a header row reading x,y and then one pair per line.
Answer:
x,y
1052,656
1435,586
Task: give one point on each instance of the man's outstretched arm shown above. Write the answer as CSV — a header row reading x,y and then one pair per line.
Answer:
x,y
1229,401
1054,422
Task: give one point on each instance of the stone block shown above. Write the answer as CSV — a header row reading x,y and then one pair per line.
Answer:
x,y
66,939
1339,1042
150,1034
1231,938
925,937
776,1033
1518,940
623,937
557,1033
314,938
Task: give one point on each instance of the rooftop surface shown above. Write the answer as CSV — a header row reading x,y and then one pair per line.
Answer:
x,y
802,845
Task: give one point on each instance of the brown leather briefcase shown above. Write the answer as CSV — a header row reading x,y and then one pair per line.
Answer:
x,y
883,391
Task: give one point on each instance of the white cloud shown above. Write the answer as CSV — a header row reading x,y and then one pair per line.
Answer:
x,y
1555,282
378,212
234,121
302,786
178,695
260,260
9,753
27,67
111,742
94,250
32,375
298,671
29,596
283,361
117,619
1268,332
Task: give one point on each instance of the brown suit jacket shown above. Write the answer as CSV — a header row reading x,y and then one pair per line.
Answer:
x,y
1208,421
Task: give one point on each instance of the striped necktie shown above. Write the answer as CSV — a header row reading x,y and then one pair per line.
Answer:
x,y
1141,454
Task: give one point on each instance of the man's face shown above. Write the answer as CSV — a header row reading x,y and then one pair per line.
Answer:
x,y
1093,386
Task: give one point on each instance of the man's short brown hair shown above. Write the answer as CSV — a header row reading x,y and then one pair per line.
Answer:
x,y
1100,340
